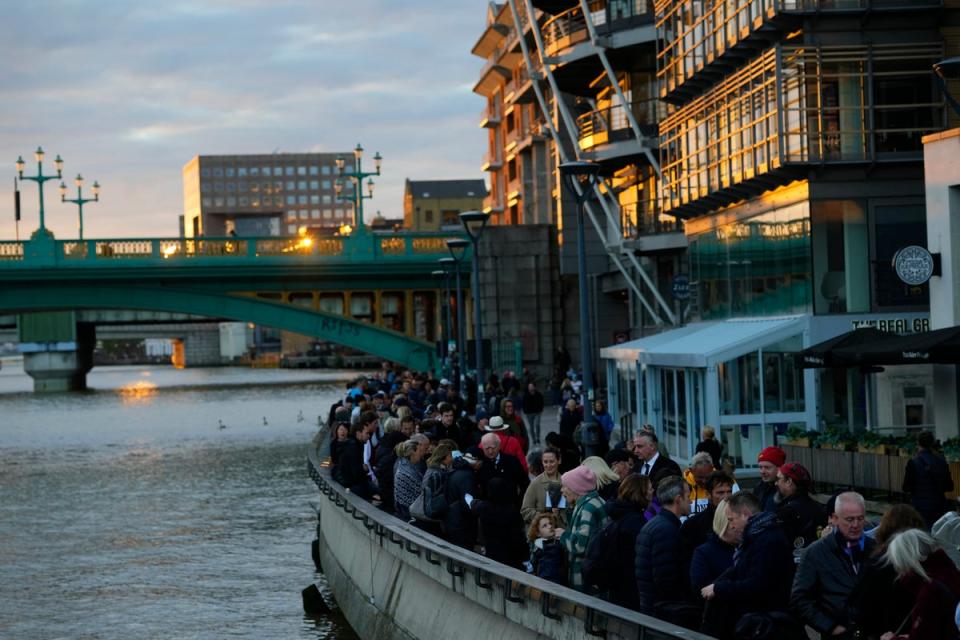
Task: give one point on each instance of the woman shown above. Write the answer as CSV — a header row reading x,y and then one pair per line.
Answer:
x,y
627,509
407,479
710,445
608,482
514,422
580,489
709,561
386,460
438,469
930,580
544,485
340,436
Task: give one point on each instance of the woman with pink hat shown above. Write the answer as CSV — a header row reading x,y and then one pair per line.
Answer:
x,y
580,489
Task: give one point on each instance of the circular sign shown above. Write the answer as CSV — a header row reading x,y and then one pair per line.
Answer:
x,y
913,264
681,287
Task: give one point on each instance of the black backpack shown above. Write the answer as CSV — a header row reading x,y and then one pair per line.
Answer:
x,y
600,562
435,495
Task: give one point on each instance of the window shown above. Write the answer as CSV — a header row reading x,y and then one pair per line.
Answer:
x,y
218,186
302,185
266,171
207,202
229,172
897,225
254,171
841,260
242,185
289,171
218,202
241,171
292,214
301,171
428,216
327,214
218,172
314,170
304,214
302,199
277,186
205,173
325,184
325,170
314,184
291,229
314,199
255,201
291,199
291,185
326,199
315,214
231,186
244,201
231,201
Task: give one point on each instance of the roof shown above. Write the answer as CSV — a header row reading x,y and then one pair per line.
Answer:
x,y
704,344
447,188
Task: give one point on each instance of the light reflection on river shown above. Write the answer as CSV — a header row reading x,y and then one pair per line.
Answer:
x,y
127,512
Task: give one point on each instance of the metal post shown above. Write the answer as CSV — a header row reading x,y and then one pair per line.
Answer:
x,y
460,335
477,324
585,352
446,305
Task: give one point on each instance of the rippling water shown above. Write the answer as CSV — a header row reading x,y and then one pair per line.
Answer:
x,y
127,512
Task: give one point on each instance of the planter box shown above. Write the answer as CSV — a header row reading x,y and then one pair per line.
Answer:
x,y
880,449
834,446
799,442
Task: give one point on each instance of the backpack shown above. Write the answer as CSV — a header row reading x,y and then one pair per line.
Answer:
x,y
600,563
435,495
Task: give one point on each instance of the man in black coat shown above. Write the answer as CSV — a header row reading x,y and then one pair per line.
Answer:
x,y
801,517
769,462
351,472
926,479
459,523
507,467
447,428
829,570
646,446
759,580
662,574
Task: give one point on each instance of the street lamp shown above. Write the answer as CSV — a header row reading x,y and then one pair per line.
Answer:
x,y
580,178
80,200
40,178
357,176
474,222
458,251
444,312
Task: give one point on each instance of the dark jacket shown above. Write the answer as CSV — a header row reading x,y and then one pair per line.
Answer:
x,y
801,518
661,572
824,582
501,525
709,561
662,465
547,559
508,468
459,522
623,585
350,472
569,421
936,601
878,603
386,458
926,479
696,530
766,493
714,448
532,402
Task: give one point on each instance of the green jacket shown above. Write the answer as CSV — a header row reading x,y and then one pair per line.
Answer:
x,y
587,519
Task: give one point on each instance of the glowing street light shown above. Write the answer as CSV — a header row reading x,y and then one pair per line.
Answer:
x,y
80,200
40,178
357,176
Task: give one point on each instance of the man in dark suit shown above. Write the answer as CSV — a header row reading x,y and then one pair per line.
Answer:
x,y
646,447
502,466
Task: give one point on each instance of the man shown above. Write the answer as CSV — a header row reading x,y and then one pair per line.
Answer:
x,y
698,527
759,580
661,571
769,461
509,444
370,422
619,462
829,570
459,522
926,479
801,517
701,466
447,429
532,409
496,464
646,447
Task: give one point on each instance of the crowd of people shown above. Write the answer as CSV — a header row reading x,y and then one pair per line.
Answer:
x,y
683,544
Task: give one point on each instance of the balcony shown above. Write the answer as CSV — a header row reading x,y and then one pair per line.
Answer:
x,y
492,75
705,40
610,124
492,162
794,106
564,31
490,117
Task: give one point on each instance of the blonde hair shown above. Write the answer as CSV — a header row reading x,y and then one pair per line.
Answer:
x,y
708,432
720,520
605,475
406,448
908,550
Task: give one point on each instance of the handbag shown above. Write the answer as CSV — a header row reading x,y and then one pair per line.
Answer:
x,y
416,509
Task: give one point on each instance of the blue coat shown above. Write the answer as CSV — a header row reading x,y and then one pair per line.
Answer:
x,y
662,573
710,559
623,586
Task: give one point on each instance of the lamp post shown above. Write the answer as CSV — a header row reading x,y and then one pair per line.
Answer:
x,y
80,200
474,222
449,266
445,314
458,251
357,175
580,178
40,179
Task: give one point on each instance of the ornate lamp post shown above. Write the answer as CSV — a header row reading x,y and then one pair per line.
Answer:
x,y
40,179
474,223
458,251
80,200
580,178
357,175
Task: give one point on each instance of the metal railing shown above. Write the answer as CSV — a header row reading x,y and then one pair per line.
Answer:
x,y
607,120
10,250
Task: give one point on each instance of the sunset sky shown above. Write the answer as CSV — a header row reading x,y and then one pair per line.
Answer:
x,y
128,91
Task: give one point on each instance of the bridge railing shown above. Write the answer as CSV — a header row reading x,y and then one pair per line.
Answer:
x,y
10,250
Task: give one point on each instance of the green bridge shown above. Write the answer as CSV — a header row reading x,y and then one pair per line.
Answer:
x,y
370,291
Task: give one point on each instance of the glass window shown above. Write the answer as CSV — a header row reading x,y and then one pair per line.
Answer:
x,y
740,385
241,171
277,186
291,229
327,199
255,201
325,170
291,185
314,184
841,256
205,173
314,170
291,199
266,171
278,200
242,185
244,201
289,171
314,199
301,171
325,184
218,186
315,214
302,185
896,226
304,214
231,201
327,214
254,171
302,199
229,172
218,172
292,214
207,201
218,202
782,380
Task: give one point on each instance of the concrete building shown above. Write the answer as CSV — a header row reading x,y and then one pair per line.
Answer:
x,y
431,205
262,194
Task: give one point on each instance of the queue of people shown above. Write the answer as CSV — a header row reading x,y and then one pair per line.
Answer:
x,y
683,544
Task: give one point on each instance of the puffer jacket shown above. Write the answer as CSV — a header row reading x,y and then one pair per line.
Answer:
x,y
661,572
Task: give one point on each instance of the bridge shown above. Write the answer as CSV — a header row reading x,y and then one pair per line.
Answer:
x,y
370,291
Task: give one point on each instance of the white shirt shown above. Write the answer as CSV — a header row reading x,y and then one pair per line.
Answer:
x,y
647,466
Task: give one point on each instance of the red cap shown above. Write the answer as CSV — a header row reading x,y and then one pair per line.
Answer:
x,y
773,455
798,473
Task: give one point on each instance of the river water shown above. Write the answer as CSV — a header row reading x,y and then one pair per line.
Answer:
x,y
128,512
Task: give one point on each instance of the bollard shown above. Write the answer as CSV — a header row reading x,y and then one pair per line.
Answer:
x,y
313,602
315,552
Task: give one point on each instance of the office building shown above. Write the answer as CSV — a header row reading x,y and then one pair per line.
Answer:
x,y
431,205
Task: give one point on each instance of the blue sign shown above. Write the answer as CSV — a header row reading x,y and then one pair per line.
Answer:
x,y
681,287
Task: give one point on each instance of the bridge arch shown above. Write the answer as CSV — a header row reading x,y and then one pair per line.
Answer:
x,y
385,343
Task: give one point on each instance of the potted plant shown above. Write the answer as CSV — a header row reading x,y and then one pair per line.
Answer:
x,y
797,436
951,449
907,446
872,442
837,438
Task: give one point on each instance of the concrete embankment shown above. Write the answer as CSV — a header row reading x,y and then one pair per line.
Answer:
x,y
394,582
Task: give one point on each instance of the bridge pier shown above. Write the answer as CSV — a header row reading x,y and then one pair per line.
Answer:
x,y
57,351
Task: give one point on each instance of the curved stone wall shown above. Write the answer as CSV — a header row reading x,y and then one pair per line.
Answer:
x,y
396,582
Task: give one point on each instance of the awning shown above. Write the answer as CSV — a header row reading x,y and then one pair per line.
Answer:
x,y
824,354
930,347
704,344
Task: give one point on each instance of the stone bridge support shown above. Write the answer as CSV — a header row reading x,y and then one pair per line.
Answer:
x,y
57,350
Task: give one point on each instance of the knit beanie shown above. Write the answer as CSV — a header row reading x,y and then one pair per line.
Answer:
x,y
773,455
580,480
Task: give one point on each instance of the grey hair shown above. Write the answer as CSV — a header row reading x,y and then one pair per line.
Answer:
x,y
391,424
908,549
669,489
701,458
849,496
419,438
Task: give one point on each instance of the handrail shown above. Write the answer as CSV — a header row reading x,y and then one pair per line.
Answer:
x,y
518,587
613,118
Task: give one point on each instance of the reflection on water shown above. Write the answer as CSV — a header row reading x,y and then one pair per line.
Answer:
x,y
128,512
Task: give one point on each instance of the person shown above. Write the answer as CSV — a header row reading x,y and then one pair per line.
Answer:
x,y
829,570
543,494
769,462
436,477
497,464
532,411
569,452
570,418
757,586
627,510
930,580
447,427
386,458
579,488
711,445
608,482
697,529
801,517
646,447
603,418
620,462
946,531
513,421
701,466
926,479
546,552
459,523
715,555
509,444
501,526
660,570
351,472
341,435
407,479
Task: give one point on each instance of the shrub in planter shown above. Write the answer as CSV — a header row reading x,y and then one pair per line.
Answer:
x,y
837,438
799,437
873,442
951,449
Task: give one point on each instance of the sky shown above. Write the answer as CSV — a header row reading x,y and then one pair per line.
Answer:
x,y
128,91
